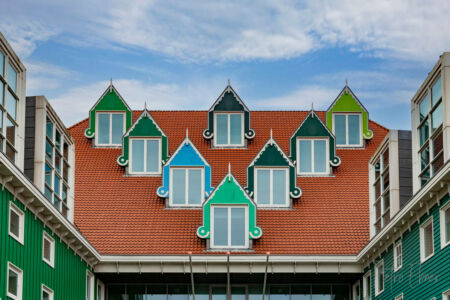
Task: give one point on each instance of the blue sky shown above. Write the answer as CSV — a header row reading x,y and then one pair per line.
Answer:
x,y
179,54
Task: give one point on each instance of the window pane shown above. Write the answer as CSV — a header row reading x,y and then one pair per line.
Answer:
x,y
88,287
179,186
2,95
156,292
12,78
64,193
49,129
238,293
354,131
436,117
320,156
46,253
279,292
235,129
11,105
222,129
48,175
263,186
58,140
13,279
425,177
58,161
279,187
424,132
48,193
137,155
45,295
339,129
438,144
103,129
386,159
10,131
305,156
2,64
153,161
117,128
238,226
195,186
321,292
10,153
14,223
178,292
301,292
220,226
424,108
57,185
447,224
218,293
425,157
436,91
428,240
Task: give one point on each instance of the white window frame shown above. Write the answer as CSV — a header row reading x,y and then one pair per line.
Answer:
x,y
399,297
47,290
356,287
21,214
271,169
443,225
366,292
93,286
110,127
100,296
446,295
347,145
19,273
395,252
229,132
429,221
186,195
130,156
229,246
377,283
51,262
327,155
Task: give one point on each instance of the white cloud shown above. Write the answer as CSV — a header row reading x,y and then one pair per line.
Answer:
x,y
46,75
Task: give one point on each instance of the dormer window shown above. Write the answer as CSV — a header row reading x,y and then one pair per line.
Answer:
x,y
347,129
313,156
229,226
187,186
145,156
229,129
110,128
272,187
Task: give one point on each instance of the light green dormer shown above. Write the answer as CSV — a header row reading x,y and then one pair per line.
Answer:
x,y
229,217
109,119
348,120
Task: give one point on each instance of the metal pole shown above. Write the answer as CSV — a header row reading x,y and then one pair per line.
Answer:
x,y
192,276
228,277
265,275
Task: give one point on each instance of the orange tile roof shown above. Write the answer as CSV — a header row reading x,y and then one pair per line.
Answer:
x,y
120,214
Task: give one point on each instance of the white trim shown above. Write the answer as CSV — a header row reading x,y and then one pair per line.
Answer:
x,y
399,297
327,155
395,253
442,212
347,145
229,126
90,277
110,144
429,221
51,262
446,294
229,246
47,290
130,156
186,192
102,293
21,214
271,169
377,283
19,273
367,290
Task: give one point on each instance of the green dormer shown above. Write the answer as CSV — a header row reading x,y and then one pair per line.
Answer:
x,y
348,120
109,118
145,147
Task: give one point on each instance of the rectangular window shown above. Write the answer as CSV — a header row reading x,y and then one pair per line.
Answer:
x,y
16,223
426,240
229,227
445,224
356,291
186,186
379,278
110,128
367,290
398,255
12,78
272,187
89,286
14,282
312,156
381,206
48,249
2,64
47,294
347,129
145,156
100,290
229,129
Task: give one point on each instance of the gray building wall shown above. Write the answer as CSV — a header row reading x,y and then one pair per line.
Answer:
x,y
405,166
30,124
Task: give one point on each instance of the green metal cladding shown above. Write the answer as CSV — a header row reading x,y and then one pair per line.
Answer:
x,y
229,192
347,102
228,101
68,277
313,127
110,100
271,155
145,127
414,279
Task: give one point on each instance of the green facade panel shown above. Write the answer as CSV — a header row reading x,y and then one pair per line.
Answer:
x,y
68,277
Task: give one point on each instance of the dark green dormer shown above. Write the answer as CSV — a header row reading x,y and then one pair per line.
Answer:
x,y
228,121
145,147
313,147
348,120
109,118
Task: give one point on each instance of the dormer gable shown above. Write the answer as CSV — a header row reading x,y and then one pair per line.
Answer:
x,y
229,121
145,133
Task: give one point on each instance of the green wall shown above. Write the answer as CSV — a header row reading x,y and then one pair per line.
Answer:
x,y
415,280
67,279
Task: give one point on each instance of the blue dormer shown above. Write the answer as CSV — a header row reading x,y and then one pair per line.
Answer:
x,y
186,177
